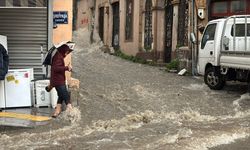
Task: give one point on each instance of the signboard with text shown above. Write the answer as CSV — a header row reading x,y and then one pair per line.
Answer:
x,y
60,17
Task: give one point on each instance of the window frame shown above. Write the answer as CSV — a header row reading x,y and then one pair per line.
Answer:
x,y
243,27
204,40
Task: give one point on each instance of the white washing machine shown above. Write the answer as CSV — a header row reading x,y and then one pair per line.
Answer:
x,y
42,96
2,95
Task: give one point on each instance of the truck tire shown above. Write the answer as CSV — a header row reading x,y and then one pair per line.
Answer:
x,y
214,79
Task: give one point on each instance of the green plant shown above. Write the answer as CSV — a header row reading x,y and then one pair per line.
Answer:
x,y
120,54
178,45
147,48
173,65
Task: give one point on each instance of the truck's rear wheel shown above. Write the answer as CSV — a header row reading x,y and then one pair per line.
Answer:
x,y
214,79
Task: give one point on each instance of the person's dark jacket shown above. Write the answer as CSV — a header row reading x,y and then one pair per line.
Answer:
x,y
4,62
58,69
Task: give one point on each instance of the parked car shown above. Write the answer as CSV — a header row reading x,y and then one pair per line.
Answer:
x,y
224,51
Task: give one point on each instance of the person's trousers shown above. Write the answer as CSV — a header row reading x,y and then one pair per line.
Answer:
x,y
63,94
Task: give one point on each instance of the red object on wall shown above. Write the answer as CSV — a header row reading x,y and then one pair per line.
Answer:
x,y
85,21
26,75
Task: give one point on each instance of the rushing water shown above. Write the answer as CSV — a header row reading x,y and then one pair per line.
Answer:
x,y
125,105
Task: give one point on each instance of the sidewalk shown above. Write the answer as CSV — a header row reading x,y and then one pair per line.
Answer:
x,y
25,117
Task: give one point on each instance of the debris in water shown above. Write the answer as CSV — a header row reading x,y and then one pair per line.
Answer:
x,y
182,72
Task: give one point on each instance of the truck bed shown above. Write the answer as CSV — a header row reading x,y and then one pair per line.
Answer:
x,y
239,60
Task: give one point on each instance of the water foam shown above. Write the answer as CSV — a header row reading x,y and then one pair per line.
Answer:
x,y
237,102
215,139
83,44
170,139
125,124
73,115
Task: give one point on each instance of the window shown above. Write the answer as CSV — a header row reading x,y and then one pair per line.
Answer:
x,y
220,7
208,34
41,3
16,3
2,3
129,20
224,8
238,6
148,26
240,30
32,3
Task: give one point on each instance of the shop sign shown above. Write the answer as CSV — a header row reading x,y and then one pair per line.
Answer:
x,y
60,17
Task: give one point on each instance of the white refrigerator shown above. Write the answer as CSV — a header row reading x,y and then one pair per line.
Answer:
x,y
3,41
17,88
2,95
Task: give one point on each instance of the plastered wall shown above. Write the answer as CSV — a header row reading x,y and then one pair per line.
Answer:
x,y
63,32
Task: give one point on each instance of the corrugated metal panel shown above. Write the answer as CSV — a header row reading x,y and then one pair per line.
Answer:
x,y
26,29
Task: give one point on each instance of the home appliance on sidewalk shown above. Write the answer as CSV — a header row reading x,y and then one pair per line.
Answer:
x,y
53,97
2,95
3,41
17,88
42,96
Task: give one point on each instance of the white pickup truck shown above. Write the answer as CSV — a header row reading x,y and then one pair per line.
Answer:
x,y
224,51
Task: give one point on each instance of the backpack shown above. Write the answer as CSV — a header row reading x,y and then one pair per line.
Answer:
x,y
49,55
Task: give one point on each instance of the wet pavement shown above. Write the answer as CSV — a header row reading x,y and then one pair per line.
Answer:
x,y
25,117
125,105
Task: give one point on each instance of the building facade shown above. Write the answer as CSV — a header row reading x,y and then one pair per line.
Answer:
x,y
143,28
158,30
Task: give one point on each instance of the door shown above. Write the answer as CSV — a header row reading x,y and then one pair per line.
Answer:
x,y
168,30
101,22
116,25
206,48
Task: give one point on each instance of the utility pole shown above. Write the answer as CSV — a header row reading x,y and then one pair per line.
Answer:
x,y
193,39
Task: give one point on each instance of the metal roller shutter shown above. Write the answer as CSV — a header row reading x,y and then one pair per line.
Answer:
x,y
26,30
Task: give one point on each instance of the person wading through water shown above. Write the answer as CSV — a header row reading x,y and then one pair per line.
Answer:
x,y
58,79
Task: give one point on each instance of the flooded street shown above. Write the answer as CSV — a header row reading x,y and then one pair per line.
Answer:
x,y
125,105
